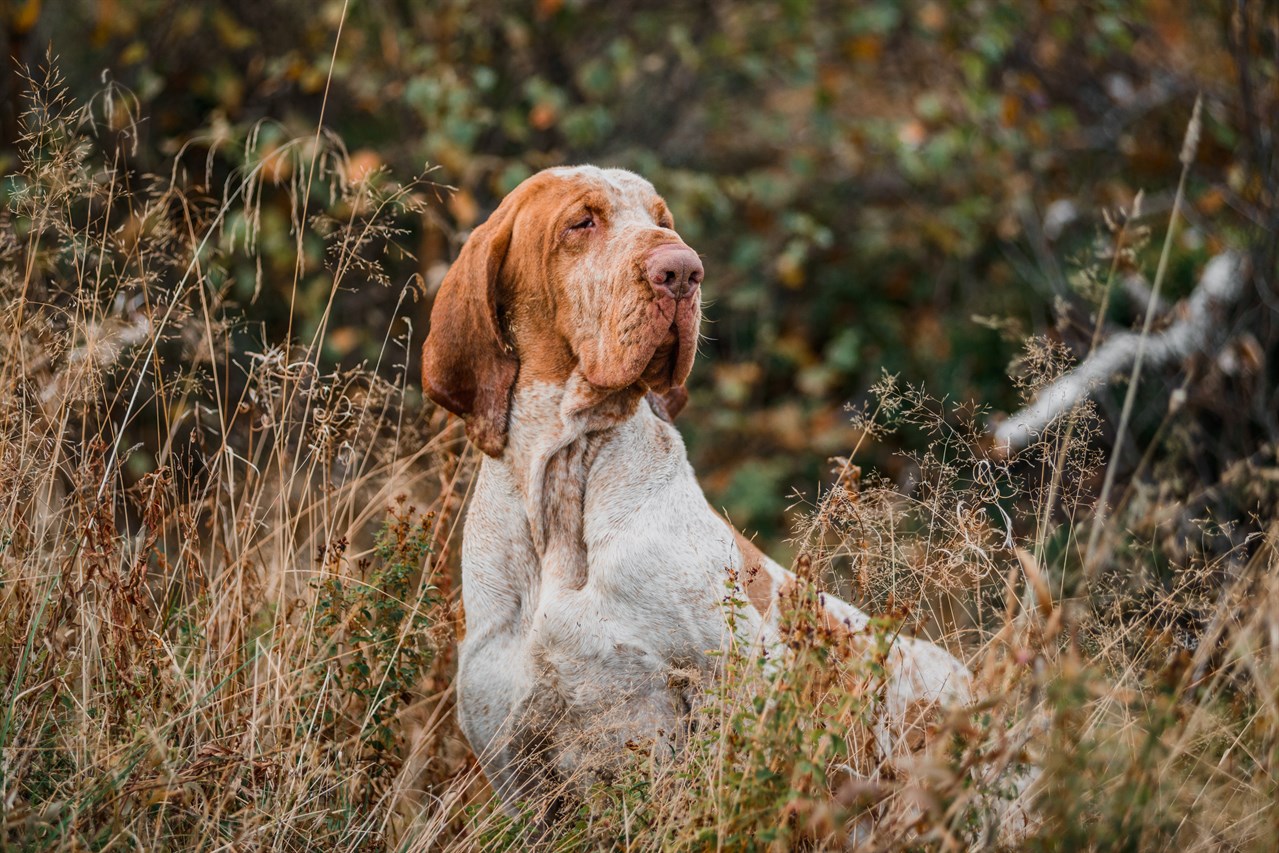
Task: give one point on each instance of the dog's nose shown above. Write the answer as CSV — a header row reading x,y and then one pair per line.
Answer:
x,y
674,270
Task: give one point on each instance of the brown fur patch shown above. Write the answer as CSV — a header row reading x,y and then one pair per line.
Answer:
x,y
668,406
755,579
563,501
511,311
758,585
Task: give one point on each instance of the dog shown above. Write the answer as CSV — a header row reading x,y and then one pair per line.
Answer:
x,y
594,571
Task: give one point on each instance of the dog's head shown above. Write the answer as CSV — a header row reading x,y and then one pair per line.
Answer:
x,y
578,269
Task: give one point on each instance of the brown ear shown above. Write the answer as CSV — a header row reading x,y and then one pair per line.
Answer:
x,y
467,365
668,405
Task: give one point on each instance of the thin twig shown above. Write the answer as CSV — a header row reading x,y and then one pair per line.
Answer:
x,y
1187,157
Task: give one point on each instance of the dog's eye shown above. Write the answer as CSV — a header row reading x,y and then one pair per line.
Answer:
x,y
585,224
665,222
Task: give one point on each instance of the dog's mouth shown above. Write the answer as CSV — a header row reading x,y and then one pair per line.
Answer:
x,y
670,341
660,371
659,356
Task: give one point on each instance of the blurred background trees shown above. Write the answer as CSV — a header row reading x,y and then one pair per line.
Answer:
x,y
876,186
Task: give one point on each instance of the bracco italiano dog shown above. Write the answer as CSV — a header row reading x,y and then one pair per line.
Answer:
x,y
594,573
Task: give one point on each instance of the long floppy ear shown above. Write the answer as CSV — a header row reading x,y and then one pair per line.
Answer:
x,y
467,365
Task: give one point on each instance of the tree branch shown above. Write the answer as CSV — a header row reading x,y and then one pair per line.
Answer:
x,y
1198,326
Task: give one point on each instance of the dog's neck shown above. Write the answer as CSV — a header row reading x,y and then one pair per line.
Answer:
x,y
556,432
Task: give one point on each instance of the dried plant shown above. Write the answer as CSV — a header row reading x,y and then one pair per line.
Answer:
x,y
204,638
227,613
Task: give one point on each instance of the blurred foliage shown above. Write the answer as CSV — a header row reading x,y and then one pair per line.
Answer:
x,y
861,178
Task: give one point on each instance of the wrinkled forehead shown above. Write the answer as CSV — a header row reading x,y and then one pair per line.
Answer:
x,y
624,190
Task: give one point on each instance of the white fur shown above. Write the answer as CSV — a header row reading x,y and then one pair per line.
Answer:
x,y
594,573
571,673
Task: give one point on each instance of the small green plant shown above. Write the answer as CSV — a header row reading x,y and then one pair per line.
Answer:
x,y
373,644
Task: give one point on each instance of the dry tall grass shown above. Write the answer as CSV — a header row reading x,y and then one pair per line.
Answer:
x,y
227,609
223,585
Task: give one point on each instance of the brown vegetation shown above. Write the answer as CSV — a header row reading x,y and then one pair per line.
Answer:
x,y
227,567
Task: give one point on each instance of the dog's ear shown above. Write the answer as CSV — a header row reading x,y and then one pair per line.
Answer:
x,y
669,404
467,365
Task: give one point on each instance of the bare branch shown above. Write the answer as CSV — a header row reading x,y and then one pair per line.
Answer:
x,y
1197,327
1138,292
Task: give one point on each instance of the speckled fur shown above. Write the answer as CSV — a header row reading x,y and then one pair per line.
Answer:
x,y
594,571
577,646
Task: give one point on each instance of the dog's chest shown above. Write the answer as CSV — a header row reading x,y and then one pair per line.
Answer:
x,y
655,581
647,617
